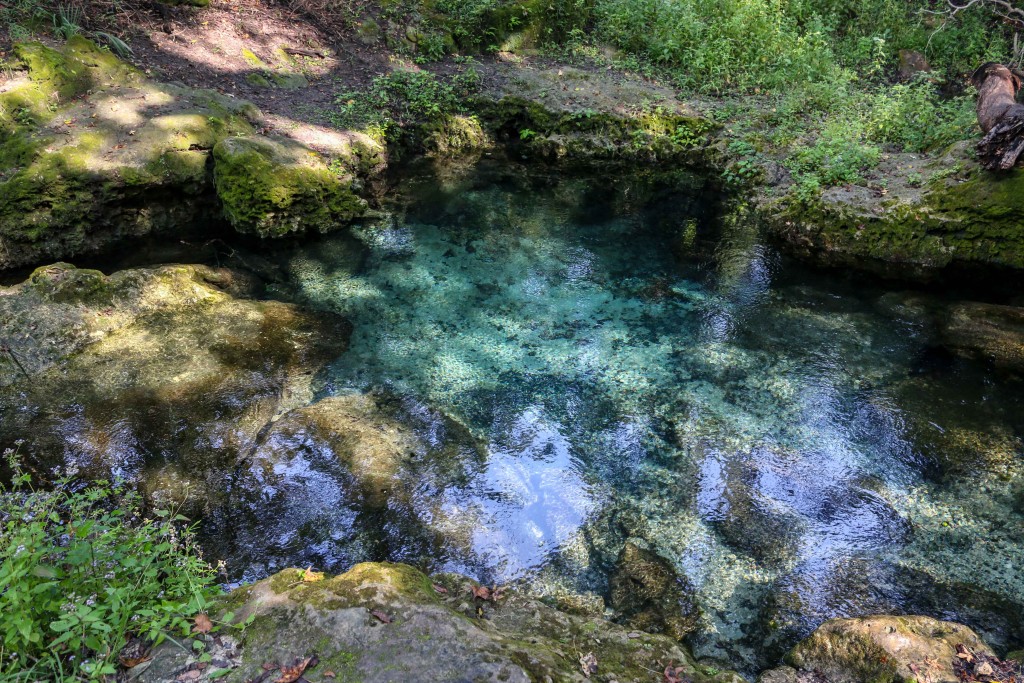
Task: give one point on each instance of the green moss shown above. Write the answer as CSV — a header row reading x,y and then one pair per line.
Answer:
x,y
253,59
456,134
271,189
74,69
598,136
980,220
63,283
258,79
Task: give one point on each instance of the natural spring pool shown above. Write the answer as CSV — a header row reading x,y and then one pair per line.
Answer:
x,y
590,361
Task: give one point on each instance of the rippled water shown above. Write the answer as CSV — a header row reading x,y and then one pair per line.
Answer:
x,y
558,364
793,442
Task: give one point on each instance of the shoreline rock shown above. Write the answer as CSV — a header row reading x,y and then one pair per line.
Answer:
x,y
382,622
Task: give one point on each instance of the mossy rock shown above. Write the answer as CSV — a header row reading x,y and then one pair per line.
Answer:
x,y
885,649
455,135
382,622
586,137
93,153
977,219
275,187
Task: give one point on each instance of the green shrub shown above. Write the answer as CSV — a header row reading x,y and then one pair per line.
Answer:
x,y
81,571
913,117
404,97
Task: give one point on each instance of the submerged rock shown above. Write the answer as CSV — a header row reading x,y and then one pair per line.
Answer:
x,y
382,488
650,596
386,622
884,648
989,331
165,371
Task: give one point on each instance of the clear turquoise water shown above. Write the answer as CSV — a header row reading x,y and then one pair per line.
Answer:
x,y
782,436
584,361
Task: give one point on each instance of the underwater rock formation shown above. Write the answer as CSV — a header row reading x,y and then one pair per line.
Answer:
x,y
989,331
646,591
386,622
164,371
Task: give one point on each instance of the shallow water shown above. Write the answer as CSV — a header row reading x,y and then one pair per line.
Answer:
x,y
636,371
576,362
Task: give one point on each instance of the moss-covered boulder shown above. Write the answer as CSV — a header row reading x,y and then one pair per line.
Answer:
x,y
884,649
92,152
388,622
974,217
275,187
162,375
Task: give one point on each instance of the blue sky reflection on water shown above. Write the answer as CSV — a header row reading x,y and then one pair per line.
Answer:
x,y
759,431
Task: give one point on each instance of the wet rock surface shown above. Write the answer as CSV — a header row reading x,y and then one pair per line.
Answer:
x,y
989,331
158,374
649,595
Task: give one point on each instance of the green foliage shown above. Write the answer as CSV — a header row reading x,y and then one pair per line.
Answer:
x,y
405,97
67,21
834,158
81,571
836,133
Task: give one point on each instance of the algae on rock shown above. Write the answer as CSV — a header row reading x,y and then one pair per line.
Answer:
x,y
886,649
975,218
162,375
430,629
275,187
92,152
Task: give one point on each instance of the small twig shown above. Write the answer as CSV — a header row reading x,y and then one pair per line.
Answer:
x,y
10,353
305,53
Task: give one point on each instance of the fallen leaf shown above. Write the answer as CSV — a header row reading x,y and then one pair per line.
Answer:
x,y
481,592
290,674
382,616
202,624
440,589
484,593
133,653
310,576
674,674
588,664
186,676
269,666
963,653
983,669
329,674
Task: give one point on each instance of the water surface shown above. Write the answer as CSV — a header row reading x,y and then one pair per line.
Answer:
x,y
543,367
796,443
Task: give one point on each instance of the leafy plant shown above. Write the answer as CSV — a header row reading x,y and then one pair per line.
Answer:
x,y
81,571
67,21
404,97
